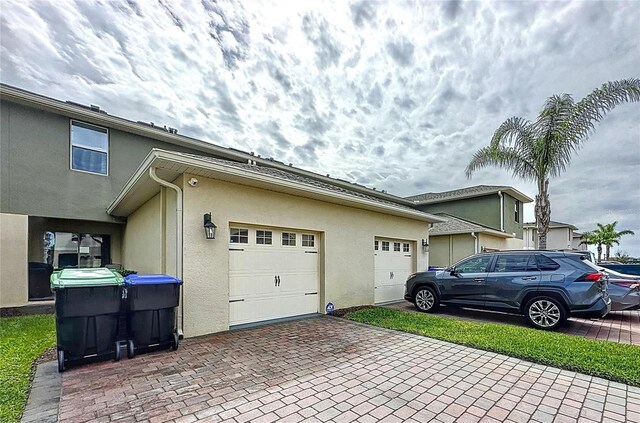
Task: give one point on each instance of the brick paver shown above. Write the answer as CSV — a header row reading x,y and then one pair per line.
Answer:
x,y
617,326
327,369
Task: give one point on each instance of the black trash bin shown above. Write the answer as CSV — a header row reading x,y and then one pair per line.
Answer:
x,y
151,312
87,314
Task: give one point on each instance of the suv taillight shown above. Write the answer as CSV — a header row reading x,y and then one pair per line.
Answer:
x,y
591,277
626,284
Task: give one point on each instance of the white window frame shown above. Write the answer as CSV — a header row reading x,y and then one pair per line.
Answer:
x,y
99,150
398,245
376,245
264,237
295,239
312,239
388,246
405,247
239,235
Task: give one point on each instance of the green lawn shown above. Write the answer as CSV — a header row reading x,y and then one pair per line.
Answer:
x,y
608,360
22,340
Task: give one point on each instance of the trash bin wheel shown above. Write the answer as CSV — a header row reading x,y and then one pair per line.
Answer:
x,y
131,352
117,357
176,342
60,360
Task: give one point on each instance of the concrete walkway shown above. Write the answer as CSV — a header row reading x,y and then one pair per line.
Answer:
x,y
329,369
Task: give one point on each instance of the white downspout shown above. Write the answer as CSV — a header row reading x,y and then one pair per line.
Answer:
x,y
475,243
152,174
501,211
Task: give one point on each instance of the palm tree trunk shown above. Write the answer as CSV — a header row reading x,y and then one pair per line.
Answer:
x,y
599,252
608,250
543,213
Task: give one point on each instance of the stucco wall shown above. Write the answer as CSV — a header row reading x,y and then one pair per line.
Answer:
x,y
559,239
142,241
462,246
498,243
14,231
484,210
510,224
439,251
346,246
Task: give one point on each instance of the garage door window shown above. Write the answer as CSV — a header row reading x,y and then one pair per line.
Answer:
x,y
376,245
239,236
405,247
396,246
308,240
385,246
264,237
289,238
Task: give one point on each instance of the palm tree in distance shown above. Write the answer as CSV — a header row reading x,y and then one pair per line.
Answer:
x,y
610,236
592,238
541,150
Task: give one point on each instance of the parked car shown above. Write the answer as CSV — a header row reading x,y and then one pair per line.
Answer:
x,y
623,289
545,286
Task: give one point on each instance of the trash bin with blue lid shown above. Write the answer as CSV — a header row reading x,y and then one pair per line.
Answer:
x,y
87,303
151,312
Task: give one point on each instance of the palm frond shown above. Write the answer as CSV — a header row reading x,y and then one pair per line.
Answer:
x,y
513,131
504,157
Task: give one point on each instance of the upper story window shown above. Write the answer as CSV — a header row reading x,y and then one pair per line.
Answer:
x,y
517,211
89,148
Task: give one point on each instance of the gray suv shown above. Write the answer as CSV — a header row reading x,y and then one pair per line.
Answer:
x,y
545,286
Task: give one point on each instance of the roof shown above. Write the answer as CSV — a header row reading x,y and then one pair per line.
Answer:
x,y
170,165
93,114
469,192
552,224
454,225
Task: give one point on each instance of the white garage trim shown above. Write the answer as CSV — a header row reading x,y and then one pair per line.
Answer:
x,y
393,262
273,273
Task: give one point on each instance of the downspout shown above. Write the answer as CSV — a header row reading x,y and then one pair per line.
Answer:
x,y
152,174
475,243
501,211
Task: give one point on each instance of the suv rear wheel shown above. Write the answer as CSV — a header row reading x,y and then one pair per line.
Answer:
x,y
545,313
426,300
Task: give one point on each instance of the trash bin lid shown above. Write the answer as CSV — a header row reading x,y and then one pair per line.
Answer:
x,y
70,278
142,279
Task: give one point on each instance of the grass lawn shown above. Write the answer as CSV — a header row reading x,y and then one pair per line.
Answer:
x,y
22,340
608,360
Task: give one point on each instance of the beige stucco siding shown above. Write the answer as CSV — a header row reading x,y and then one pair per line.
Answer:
x,y
498,243
14,230
142,241
462,246
346,246
440,251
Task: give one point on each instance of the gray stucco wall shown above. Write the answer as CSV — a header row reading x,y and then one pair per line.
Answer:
x,y
510,224
484,210
36,178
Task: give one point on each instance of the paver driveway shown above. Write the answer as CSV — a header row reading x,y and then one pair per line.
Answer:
x,y
323,369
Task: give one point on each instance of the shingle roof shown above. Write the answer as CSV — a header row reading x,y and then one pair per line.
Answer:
x,y
474,191
299,179
455,225
552,224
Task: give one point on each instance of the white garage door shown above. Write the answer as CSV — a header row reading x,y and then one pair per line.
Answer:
x,y
273,273
393,264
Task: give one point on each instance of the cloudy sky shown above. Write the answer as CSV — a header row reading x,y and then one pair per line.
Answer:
x,y
395,95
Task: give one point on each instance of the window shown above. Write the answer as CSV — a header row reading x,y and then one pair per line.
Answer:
x,y
385,246
289,238
396,246
239,236
89,148
474,265
515,263
405,247
517,211
264,237
376,245
308,240
546,264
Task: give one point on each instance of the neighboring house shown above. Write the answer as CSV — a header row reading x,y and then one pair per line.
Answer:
x,y
479,218
80,187
561,236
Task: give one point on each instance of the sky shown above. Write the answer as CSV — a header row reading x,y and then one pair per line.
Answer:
x,y
395,95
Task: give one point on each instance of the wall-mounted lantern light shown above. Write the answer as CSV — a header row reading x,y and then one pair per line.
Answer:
x,y
209,227
425,245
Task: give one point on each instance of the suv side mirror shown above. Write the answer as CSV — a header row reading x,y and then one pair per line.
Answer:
x,y
453,272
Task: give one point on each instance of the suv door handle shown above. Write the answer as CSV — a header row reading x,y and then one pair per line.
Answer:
x,y
478,280
529,278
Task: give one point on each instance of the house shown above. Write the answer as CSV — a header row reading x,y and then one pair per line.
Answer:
x,y
81,187
479,218
561,236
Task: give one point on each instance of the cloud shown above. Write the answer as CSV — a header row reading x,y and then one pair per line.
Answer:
x,y
396,95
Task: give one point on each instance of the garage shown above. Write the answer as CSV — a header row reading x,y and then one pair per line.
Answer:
x,y
393,263
273,273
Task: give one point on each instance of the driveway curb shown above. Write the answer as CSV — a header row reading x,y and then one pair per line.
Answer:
x,y
44,398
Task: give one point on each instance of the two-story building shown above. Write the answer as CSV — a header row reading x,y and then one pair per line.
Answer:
x,y
561,236
478,218
81,187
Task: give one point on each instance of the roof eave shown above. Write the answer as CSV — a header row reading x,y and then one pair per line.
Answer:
x,y
508,190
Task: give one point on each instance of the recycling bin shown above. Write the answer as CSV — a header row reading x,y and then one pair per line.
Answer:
x,y
87,303
151,312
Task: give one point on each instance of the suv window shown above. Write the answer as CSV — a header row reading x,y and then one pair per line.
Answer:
x,y
546,264
515,263
474,265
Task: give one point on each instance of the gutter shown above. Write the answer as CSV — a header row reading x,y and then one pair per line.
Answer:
x,y
501,210
152,174
475,243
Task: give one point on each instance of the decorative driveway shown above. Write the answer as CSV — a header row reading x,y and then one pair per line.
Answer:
x,y
328,369
618,326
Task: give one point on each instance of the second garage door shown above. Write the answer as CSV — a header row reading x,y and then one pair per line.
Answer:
x,y
273,273
393,263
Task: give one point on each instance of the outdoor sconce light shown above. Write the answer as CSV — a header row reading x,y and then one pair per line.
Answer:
x,y
425,245
209,227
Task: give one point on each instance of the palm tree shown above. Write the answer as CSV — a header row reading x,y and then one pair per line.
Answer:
x,y
610,236
538,151
592,238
